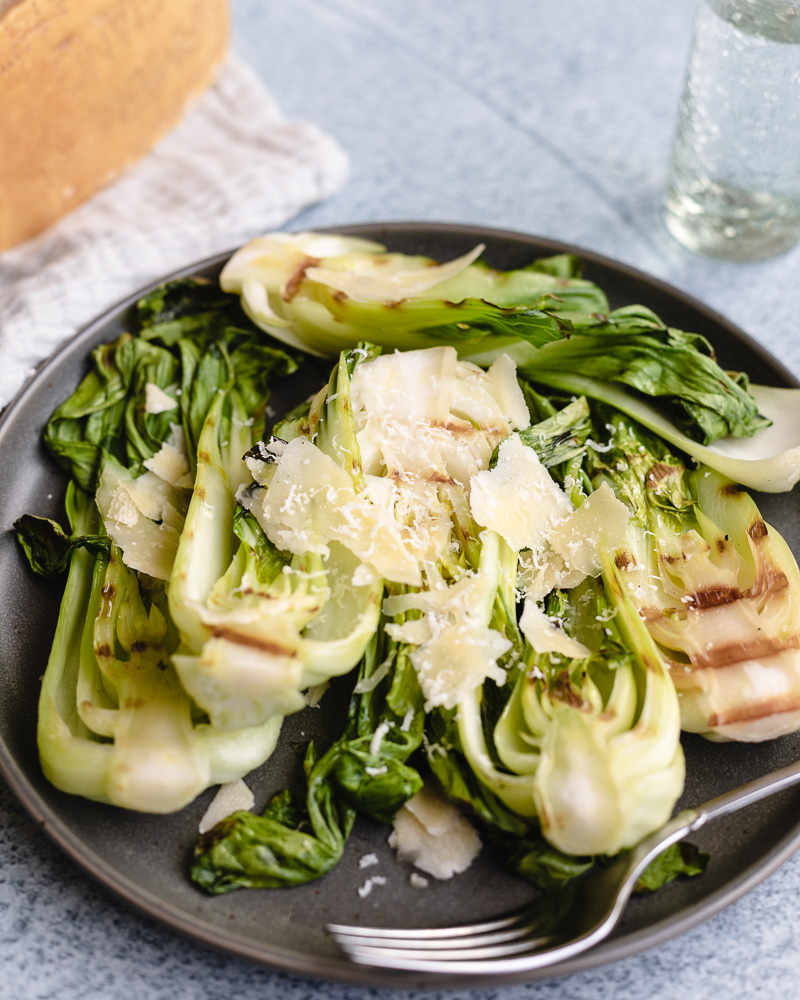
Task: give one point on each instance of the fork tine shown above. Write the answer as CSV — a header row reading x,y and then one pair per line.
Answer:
x,y
509,919
429,945
411,958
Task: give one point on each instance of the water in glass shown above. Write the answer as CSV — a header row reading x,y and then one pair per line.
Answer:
x,y
734,189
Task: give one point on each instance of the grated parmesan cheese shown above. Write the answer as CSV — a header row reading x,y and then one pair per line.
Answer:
x,y
455,650
377,737
366,887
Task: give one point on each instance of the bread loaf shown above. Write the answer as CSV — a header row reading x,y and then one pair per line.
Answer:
x,y
86,88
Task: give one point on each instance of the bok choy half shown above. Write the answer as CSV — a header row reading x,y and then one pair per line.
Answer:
x,y
512,521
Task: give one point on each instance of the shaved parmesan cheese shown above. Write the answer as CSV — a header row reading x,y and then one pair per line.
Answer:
x,y
559,546
122,508
599,523
426,416
151,493
311,501
230,798
127,507
470,597
434,836
156,400
540,572
545,635
306,487
506,390
132,508
171,464
413,632
172,516
518,498
146,546
415,512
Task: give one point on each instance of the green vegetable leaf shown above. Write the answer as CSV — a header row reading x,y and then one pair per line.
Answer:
x,y
705,401
295,840
561,436
49,549
678,859
246,851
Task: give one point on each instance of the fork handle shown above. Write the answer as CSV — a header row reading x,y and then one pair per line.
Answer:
x,y
743,796
689,820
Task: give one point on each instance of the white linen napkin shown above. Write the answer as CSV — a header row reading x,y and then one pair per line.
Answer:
x,y
234,167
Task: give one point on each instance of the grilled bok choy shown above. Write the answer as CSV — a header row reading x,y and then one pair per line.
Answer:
x,y
115,722
718,588
489,516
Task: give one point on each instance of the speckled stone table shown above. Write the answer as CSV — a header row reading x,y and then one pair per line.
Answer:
x,y
536,115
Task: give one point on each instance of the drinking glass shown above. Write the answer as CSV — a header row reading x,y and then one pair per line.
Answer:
x,y
734,185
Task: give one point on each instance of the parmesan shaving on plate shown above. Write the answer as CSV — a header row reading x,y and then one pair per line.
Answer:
x,y
425,415
434,836
230,798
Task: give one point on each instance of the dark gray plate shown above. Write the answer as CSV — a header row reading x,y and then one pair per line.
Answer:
x,y
144,859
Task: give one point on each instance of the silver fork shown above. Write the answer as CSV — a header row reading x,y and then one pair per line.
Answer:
x,y
554,927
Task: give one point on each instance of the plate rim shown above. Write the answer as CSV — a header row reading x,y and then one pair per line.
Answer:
x,y
149,904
